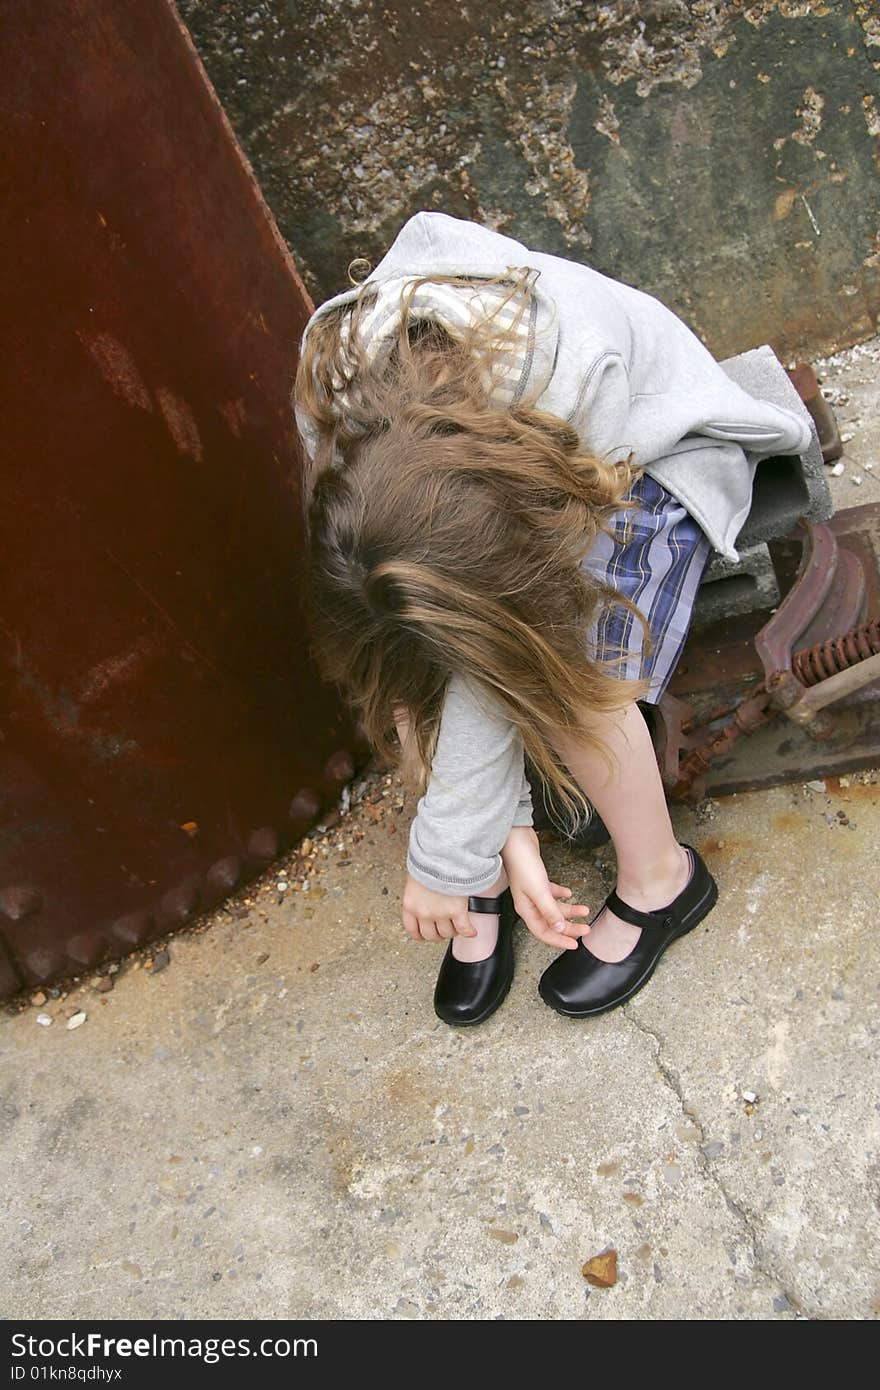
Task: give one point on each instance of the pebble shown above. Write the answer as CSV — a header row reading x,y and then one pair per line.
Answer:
x,y
77,1021
601,1270
836,470
815,786
38,999
749,1097
282,885
262,957
856,480
104,984
45,1020
160,961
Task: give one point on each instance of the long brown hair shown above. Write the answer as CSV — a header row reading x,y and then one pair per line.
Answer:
x,y
446,533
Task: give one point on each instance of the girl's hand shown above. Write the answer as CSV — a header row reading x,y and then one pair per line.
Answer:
x,y
537,900
430,916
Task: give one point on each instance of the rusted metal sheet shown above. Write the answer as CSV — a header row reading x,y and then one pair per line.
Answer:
x,y
162,731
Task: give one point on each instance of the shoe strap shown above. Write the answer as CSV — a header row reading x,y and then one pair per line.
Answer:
x,y
487,905
635,917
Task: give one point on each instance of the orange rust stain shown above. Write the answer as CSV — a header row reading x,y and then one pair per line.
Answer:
x,y
117,367
856,791
724,847
234,415
784,203
181,423
788,821
402,1088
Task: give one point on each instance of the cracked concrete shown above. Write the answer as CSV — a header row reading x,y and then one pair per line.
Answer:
x,y
276,1125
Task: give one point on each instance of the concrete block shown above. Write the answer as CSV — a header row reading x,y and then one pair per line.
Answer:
x,y
786,488
730,588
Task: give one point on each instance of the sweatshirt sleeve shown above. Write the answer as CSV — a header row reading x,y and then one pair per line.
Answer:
x,y
477,790
601,413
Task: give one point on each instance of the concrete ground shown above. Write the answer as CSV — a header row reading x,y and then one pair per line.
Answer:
x,y
272,1123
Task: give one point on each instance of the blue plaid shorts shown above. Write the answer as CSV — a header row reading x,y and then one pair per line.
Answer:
x,y
654,554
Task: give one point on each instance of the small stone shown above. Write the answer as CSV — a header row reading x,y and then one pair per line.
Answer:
x,y
601,1270
856,480
44,1020
846,436
506,1237
282,885
750,1097
836,470
816,786
306,846
38,999
104,984
262,957
77,1021
160,961
713,1149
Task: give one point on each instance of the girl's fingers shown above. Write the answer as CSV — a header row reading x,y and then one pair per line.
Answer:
x,y
445,927
552,913
462,924
428,930
559,891
539,928
411,925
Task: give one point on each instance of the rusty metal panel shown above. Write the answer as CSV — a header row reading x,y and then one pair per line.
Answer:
x,y
162,731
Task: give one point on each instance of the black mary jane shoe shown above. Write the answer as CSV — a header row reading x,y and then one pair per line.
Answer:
x,y
469,991
580,985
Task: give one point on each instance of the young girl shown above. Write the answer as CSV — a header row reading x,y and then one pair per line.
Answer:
x,y
518,469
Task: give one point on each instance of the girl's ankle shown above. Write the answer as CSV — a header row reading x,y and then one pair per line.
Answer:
x,y
665,877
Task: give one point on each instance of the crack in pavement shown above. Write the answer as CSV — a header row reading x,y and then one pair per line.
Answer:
x,y
671,1079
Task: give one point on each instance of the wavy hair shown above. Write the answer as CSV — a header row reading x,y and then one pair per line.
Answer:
x,y
446,534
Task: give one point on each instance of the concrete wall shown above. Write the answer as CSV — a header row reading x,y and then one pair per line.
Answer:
x,y
722,156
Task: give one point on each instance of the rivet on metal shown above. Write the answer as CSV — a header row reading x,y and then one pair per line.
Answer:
x,y
133,929
305,806
16,903
87,947
222,877
178,905
339,767
263,843
10,980
43,963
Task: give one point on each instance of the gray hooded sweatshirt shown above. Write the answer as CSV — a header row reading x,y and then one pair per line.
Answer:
x,y
632,379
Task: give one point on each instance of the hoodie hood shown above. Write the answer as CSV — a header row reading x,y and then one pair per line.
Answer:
x,y
523,370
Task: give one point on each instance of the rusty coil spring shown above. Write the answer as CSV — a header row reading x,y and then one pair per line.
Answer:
x,y
814,664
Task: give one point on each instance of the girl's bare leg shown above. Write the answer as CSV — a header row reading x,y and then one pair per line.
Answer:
x,y
652,867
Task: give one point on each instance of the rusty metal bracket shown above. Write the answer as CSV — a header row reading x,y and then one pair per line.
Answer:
x,y
841,656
